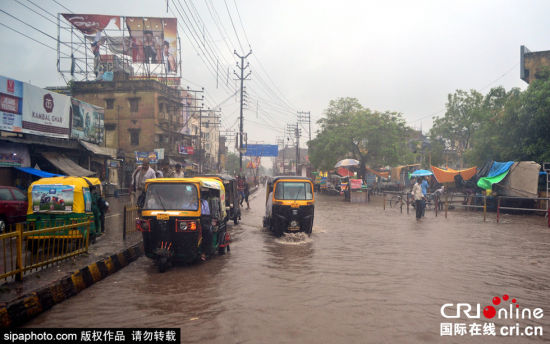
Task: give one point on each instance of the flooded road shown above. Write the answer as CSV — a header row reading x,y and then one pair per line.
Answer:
x,y
364,276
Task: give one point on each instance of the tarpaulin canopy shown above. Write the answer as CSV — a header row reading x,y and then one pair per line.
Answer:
x,y
522,180
448,175
67,165
497,173
380,174
39,173
486,183
499,168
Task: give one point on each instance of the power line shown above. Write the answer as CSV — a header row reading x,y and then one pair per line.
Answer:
x,y
233,25
47,46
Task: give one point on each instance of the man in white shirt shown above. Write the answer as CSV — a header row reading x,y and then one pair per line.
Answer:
x,y
140,175
418,197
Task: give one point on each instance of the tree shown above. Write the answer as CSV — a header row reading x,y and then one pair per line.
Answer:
x,y
463,117
232,163
349,130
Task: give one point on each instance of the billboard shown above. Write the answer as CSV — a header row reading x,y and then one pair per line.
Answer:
x,y
11,104
152,156
87,122
45,112
154,40
90,24
261,150
52,197
186,150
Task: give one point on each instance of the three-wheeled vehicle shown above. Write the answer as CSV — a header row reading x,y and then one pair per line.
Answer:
x,y
289,205
59,201
231,196
180,216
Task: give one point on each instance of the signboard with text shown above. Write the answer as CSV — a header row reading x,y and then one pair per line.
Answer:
x,y
45,112
261,150
11,104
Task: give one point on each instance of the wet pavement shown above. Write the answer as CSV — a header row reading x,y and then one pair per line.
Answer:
x,y
364,276
107,244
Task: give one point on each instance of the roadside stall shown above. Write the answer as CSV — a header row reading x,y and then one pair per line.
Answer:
x,y
358,192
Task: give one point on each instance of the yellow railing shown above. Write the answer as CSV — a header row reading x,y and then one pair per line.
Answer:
x,y
25,248
130,216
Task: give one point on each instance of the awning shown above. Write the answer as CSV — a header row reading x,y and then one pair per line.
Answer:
x,y
66,165
98,150
39,173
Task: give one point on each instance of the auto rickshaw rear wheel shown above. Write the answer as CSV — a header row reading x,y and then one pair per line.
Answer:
x,y
162,264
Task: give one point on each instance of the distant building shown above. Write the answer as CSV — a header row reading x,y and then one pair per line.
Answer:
x,y
141,116
532,63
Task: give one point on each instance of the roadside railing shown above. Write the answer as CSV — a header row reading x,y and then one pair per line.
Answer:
x,y
31,246
130,216
442,202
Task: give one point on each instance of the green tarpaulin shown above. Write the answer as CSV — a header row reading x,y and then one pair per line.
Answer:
x,y
486,183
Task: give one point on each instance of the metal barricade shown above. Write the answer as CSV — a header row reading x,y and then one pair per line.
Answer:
x,y
130,216
29,246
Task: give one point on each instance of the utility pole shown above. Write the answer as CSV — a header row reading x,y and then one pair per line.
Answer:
x,y
193,109
210,115
305,117
294,128
242,78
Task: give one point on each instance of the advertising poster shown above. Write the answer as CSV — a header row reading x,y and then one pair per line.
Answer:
x,y
45,112
87,122
355,183
87,199
153,157
186,150
154,40
11,104
90,24
52,198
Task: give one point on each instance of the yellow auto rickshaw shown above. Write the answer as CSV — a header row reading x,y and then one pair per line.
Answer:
x,y
290,205
183,219
59,201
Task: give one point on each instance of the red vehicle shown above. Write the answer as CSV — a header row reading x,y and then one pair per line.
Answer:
x,y
13,206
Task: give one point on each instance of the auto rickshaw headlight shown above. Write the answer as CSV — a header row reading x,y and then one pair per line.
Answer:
x,y
183,225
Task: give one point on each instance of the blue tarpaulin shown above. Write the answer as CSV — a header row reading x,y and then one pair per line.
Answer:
x,y
499,168
39,173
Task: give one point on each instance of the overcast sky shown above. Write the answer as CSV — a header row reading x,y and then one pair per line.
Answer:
x,y
403,56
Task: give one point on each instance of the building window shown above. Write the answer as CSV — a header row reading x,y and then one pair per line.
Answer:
x,y
134,104
134,137
161,107
109,103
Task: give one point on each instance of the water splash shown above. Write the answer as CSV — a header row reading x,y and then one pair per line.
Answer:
x,y
293,239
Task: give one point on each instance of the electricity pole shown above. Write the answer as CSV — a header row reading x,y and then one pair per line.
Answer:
x,y
305,117
294,128
242,67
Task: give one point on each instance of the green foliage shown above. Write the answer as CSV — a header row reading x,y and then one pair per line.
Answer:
x,y
499,126
232,163
349,130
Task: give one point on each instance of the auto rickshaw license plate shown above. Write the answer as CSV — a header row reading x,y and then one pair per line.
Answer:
x,y
163,217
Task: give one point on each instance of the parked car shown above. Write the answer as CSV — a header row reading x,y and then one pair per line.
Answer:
x,y
13,206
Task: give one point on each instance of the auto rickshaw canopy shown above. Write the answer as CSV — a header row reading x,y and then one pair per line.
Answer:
x,y
200,182
61,195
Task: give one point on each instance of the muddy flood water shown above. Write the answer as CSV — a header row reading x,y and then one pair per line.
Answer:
x,y
364,276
